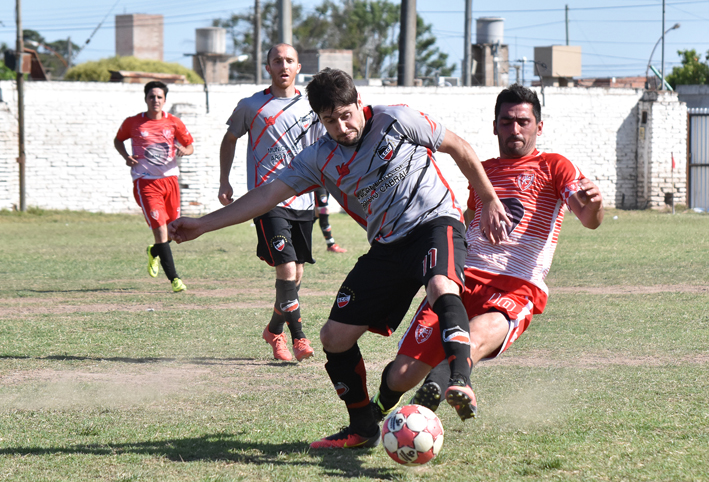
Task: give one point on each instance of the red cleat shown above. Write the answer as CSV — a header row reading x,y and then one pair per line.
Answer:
x,y
347,439
302,349
334,248
278,343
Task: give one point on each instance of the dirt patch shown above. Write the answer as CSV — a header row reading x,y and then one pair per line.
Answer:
x,y
543,359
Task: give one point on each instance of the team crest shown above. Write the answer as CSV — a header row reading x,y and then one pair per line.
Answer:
x,y
167,133
305,122
385,152
342,169
155,214
423,333
279,244
290,306
343,299
525,180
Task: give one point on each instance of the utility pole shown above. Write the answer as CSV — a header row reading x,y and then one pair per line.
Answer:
x,y
468,47
407,43
662,83
285,22
567,24
257,42
20,103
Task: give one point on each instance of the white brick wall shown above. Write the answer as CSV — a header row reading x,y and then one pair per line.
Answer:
x,y
71,162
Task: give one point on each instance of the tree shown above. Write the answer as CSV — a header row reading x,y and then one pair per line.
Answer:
x,y
692,72
54,55
367,27
98,71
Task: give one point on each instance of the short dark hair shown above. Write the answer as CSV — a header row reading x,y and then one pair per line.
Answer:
x,y
517,94
268,54
155,84
330,89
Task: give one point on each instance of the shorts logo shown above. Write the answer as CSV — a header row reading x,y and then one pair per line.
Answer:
x,y
456,335
279,243
155,214
431,260
343,299
290,306
385,152
525,180
423,333
341,389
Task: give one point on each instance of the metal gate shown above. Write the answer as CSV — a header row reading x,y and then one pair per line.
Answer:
x,y
698,170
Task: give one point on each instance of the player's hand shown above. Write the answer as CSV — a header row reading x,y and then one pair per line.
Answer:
x,y
184,229
131,161
179,150
226,194
494,222
588,192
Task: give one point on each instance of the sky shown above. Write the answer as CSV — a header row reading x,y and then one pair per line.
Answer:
x,y
616,36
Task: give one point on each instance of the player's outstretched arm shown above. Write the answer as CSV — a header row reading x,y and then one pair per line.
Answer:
x,y
493,219
226,159
121,148
252,204
587,204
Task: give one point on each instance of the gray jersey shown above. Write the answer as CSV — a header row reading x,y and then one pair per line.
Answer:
x,y
389,182
279,128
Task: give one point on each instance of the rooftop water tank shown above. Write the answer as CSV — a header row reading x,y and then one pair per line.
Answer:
x,y
489,30
211,40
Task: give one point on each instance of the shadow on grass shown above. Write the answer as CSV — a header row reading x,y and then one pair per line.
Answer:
x,y
227,448
196,361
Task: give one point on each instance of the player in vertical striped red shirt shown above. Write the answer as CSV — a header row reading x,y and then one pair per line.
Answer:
x,y
504,283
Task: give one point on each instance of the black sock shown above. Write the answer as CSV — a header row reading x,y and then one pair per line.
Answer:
x,y
388,398
288,307
324,221
455,334
349,377
440,374
163,251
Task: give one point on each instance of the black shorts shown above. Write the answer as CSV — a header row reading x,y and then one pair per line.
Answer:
x,y
379,289
282,240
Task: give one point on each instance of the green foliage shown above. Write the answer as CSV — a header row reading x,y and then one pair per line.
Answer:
x,y
98,71
692,72
367,27
5,72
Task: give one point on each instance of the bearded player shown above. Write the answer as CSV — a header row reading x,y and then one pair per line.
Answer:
x,y
504,283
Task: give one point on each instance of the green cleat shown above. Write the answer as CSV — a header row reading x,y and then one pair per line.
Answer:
x,y
153,263
378,410
178,285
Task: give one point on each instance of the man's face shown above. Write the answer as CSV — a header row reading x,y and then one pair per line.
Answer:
x,y
345,124
155,100
516,130
283,66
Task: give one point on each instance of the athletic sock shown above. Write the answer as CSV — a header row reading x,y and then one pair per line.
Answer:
x,y
349,377
287,310
455,335
388,398
440,374
324,221
165,253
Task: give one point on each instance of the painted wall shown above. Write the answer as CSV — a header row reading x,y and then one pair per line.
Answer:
x,y
71,162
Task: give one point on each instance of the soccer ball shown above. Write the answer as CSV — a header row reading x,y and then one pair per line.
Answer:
x,y
412,435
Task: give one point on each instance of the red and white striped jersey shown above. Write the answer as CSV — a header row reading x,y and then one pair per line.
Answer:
x,y
533,190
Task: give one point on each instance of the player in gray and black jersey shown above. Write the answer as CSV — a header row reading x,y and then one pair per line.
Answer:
x,y
279,123
378,162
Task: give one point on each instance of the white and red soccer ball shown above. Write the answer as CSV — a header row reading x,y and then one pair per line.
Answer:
x,y
412,435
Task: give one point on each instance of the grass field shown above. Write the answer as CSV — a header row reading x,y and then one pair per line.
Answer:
x,y
107,375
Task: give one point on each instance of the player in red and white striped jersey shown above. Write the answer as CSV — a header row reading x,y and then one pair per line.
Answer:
x,y
504,282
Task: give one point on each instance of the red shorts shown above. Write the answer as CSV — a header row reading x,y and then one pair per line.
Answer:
x,y
159,199
422,340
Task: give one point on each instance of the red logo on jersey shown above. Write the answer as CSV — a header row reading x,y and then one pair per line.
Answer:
x,y
343,169
423,333
385,152
525,180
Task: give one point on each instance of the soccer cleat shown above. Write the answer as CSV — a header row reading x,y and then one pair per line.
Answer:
x,y
347,439
153,263
460,396
178,285
278,343
378,410
334,248
428,395
302,349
